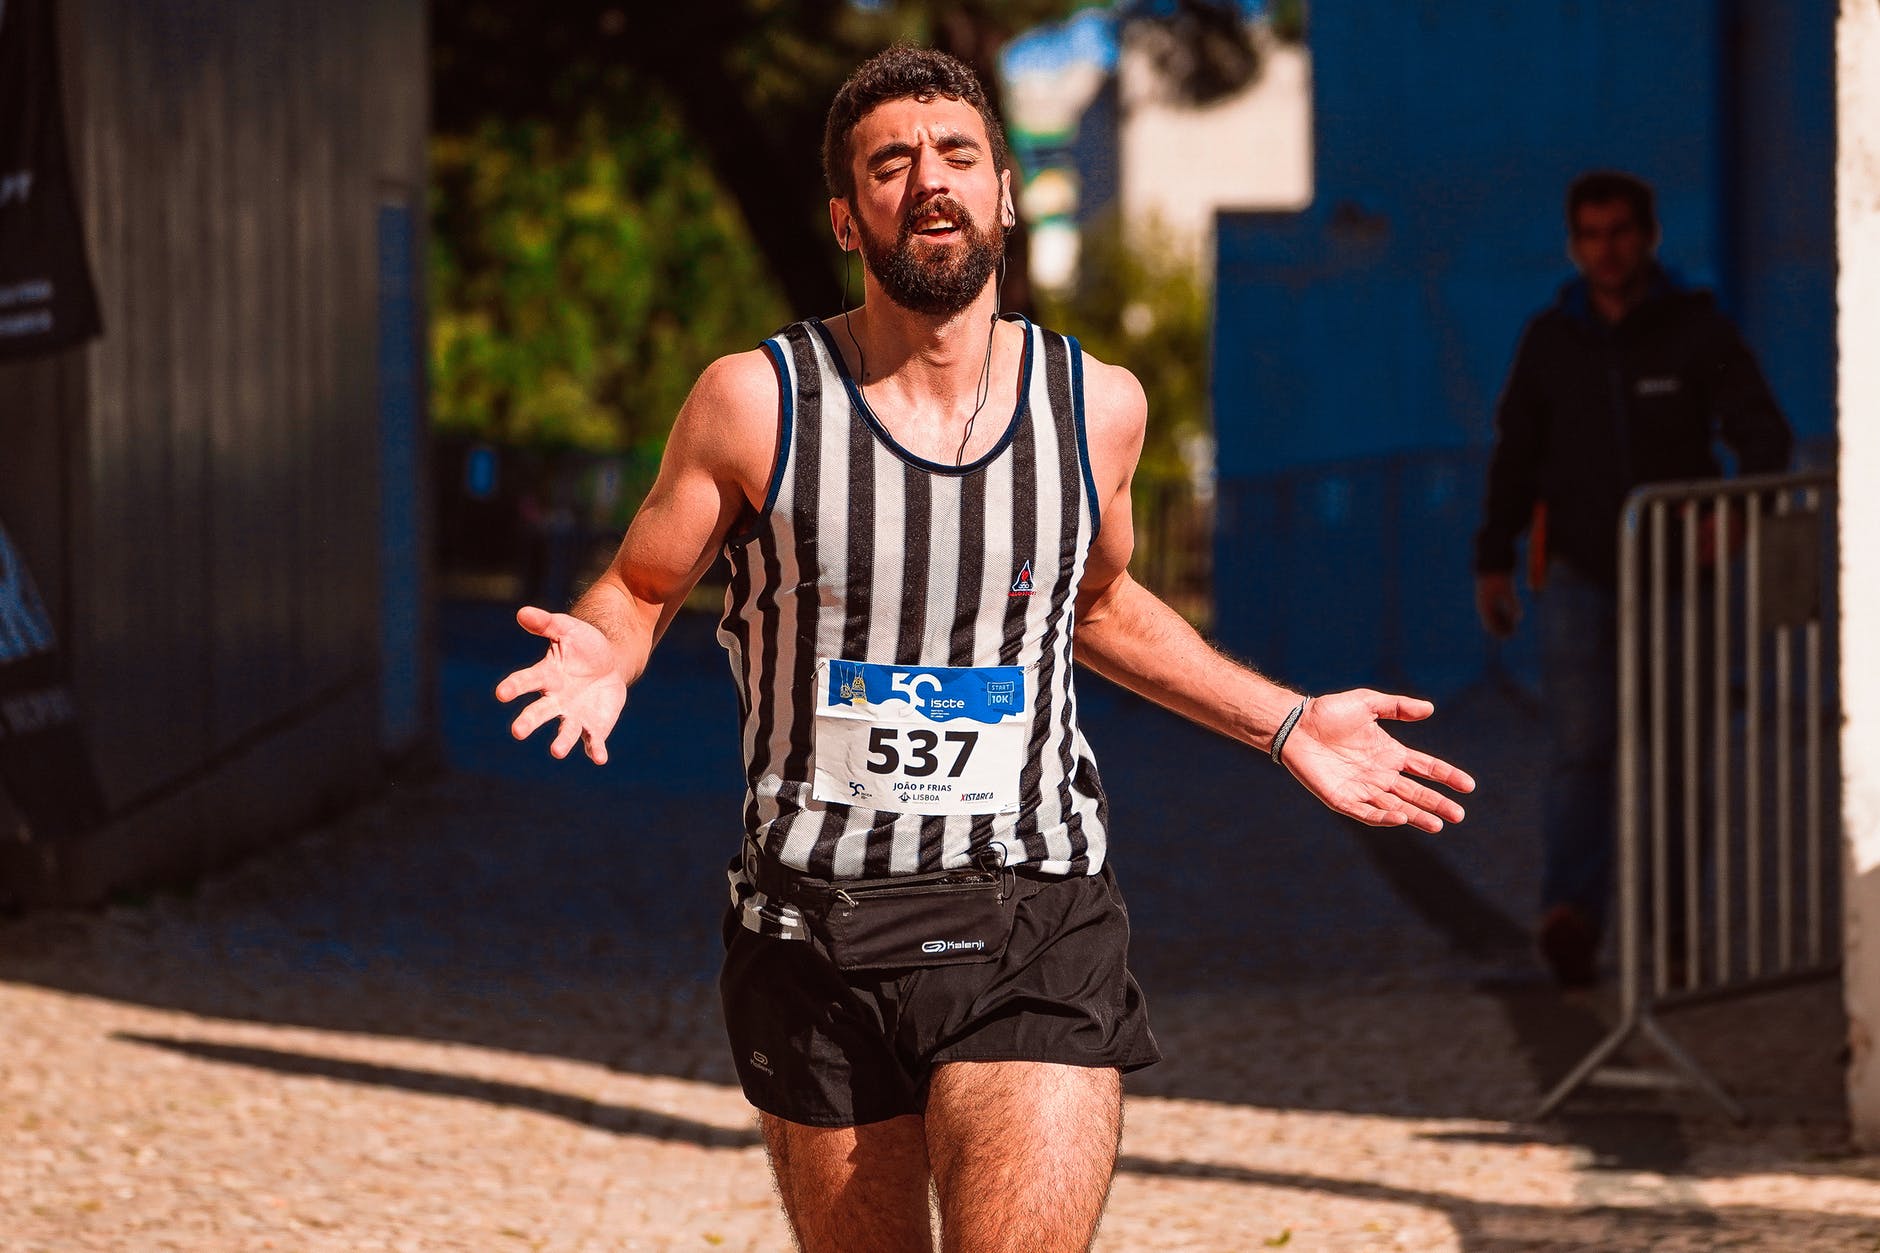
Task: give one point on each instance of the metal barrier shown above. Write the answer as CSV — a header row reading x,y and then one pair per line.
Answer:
x,y
1739,569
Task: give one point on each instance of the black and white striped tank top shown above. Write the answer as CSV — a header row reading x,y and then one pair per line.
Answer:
x,y
865,553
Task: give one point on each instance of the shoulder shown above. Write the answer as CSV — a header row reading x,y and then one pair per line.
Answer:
x,y
1555,319
1698,308
1116,416
1116,410
729,423
740,381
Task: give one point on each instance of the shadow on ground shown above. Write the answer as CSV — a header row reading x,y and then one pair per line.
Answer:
x,y
1292,960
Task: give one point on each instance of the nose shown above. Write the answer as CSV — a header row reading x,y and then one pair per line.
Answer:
x,y
930,174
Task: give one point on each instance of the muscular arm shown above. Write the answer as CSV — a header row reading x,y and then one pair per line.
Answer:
x,y
717,461
1126,634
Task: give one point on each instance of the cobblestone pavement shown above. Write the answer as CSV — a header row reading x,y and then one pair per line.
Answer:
x,y
478,1013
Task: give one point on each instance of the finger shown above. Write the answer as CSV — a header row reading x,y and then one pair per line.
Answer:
x,y
1372,815
1416,796
565,739
1436,770
538,622
530,720
596,746
1398,708
530,679
1422,804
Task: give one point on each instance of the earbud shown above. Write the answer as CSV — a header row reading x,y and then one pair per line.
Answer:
x,y
847,229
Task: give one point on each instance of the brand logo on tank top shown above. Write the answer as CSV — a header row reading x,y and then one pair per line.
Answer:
x,y
1021,586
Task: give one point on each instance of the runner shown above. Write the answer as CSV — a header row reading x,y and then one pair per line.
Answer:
x,y
925,981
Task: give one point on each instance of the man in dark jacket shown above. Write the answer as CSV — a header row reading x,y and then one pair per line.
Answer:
x,y
1626,379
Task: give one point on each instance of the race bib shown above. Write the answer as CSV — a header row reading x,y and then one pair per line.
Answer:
x,y
920,739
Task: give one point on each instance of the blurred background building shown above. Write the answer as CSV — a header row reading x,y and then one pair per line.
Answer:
x,y
1111,116
1359,345
219,499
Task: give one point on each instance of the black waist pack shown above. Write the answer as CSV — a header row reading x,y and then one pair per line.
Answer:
x,y
949,918
946,918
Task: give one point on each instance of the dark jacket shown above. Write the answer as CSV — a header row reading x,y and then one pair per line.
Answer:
x,y
1592,409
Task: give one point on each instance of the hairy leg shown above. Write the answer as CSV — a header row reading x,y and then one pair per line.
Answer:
x,y
1022,1154
852,1189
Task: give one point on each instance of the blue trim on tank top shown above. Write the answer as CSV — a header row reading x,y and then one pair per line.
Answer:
x,y
1083,439
860,406
773,348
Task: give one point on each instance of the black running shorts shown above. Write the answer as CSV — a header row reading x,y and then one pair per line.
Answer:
x,y
833,1048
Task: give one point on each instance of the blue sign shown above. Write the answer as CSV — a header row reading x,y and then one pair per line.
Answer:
x,y
938,693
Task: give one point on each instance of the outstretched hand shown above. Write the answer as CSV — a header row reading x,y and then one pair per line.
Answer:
x,y
1347,760
579,681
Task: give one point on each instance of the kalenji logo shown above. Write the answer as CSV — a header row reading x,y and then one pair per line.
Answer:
x,y
950,946
1021,586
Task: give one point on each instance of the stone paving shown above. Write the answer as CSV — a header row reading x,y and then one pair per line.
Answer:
x,y
478,1013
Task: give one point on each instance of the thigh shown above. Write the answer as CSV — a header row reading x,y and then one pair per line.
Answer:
x,y
1579,666
861,1189
808,1044
1022,1153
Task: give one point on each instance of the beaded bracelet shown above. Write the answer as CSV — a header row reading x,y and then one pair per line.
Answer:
x,y
1285,729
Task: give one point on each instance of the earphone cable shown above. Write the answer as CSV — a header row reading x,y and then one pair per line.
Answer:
x,y
984,389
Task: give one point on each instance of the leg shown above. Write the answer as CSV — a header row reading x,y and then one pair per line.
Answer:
x,y
1022,1154
852,1189
1579,674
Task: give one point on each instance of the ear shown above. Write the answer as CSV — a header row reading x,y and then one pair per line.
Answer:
x,y
842,223
1008,217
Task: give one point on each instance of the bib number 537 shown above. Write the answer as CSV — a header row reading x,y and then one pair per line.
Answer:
x,y
886,744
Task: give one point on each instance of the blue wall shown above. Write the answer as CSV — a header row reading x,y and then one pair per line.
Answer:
x,y
1360,345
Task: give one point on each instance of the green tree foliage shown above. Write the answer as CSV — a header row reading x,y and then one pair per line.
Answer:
x,y
749,81
581,277
1145,308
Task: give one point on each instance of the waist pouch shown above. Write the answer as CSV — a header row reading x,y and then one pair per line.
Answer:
x,y
946,918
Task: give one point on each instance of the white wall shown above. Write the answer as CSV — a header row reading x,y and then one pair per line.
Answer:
x,y
1179,163
1858,214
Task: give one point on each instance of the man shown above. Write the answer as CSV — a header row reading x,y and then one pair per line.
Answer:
x,y
925,976
1626,379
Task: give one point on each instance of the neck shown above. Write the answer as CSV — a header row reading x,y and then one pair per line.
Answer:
x,y
944,353
1613,303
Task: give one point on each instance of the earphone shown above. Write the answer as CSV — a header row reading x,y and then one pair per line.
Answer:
x,y
1006,222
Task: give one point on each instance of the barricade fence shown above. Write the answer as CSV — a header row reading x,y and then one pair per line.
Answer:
x,y
1728,876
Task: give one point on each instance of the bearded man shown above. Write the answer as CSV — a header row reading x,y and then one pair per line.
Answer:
x,y
925,980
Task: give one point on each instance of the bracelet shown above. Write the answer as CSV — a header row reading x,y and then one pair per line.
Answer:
x,y
1285,729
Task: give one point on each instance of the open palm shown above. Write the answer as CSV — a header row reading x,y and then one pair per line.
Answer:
x,y
579,681
1347,760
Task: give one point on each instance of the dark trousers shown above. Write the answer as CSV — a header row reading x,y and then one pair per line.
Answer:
x,y
1579,684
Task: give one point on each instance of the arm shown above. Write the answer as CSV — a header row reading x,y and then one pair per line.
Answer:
x,y
1131,638
1513,488
717,460
1747,415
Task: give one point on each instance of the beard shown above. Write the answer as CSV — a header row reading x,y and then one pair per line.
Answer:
x,y
946,280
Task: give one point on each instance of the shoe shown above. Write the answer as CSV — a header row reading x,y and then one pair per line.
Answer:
x,y
1570,947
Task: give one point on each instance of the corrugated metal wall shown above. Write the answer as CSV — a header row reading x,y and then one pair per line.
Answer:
x,y
199,490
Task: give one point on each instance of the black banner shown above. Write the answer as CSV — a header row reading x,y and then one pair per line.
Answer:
x,y
44,765
46,298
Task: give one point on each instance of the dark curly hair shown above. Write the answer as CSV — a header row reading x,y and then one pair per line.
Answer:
x,y
1606,186
899,73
